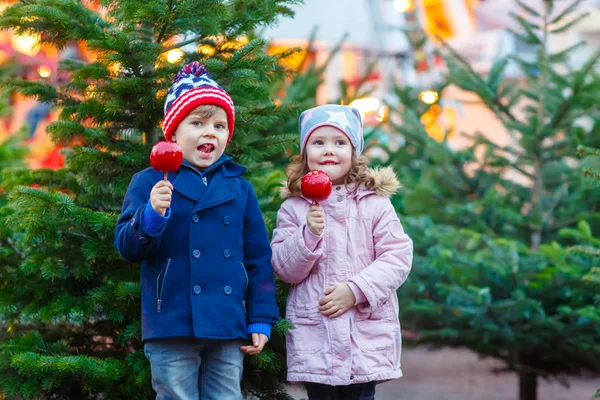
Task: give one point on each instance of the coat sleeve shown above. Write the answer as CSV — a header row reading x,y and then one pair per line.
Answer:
x,y
393,260
133,241
261,303
292,259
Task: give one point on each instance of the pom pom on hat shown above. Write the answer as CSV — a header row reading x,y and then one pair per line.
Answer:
x,y
193,68
193,87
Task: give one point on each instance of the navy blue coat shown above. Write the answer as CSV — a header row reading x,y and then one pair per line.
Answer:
x,y
207,272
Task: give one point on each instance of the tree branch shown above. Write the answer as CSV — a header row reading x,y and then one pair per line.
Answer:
x,y
184,43
164,27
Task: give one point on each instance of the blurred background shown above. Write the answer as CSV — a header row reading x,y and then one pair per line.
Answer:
x,y
488,110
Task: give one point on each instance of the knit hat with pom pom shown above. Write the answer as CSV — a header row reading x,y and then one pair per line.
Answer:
x,y
193,87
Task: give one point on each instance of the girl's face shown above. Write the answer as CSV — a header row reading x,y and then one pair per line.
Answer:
x,y
329,150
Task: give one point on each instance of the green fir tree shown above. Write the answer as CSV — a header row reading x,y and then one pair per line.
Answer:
x,y
493,224
72,305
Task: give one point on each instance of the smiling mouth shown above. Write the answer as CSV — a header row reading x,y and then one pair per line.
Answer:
x,y
329,163
206,148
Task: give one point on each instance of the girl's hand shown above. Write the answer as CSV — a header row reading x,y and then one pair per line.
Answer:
x,y
258,343
315,220
160,197
338,300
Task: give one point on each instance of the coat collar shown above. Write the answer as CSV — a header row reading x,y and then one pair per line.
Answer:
x,y
222,190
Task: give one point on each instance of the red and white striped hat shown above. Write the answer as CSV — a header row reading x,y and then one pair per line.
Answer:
x,y
193,87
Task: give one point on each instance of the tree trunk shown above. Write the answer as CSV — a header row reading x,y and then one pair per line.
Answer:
x,y
527,385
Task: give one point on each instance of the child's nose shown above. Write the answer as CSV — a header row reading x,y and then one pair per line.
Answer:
x,y
328,149
209,131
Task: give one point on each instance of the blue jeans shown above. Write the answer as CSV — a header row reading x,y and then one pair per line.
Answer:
x,y
196,369
358,391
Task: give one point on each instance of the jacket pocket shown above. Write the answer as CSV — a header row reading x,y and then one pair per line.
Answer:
x,y
375,332
308,334
160,285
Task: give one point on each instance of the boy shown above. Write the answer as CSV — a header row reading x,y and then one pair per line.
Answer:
x,y
206,276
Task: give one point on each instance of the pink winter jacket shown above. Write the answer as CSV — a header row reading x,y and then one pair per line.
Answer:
x,y
363,244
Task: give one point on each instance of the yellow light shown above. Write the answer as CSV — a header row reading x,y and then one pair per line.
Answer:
x,y
44,71
404,5
114,68
429,96
206,50
439,122
174,56
161,94
366,105
91,91
382,113
234,44
28,19
26,44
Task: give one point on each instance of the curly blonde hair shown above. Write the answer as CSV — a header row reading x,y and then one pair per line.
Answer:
x,y
358,173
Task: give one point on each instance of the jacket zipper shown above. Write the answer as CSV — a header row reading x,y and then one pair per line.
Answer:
x,y
159,289
247,282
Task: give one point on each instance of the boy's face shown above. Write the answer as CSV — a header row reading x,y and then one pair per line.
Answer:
x,y
202,139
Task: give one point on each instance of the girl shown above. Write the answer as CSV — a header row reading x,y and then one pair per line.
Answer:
x,y
345,259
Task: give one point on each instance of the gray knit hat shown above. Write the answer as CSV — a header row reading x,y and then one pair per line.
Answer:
x,y
346,119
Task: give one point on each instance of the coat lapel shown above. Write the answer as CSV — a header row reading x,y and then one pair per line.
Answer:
x,y
186,183
221,191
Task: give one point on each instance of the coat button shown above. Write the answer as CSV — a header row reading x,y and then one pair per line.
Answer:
x,y
226,254
226,220
196,253
351,377
340,198
143,240
197,289
338,187
195,218
227,290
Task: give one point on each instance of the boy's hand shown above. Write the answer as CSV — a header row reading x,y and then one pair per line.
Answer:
x,y
338,300
160,197
258,343
315,220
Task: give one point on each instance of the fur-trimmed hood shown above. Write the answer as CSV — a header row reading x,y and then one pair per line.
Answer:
x,y
383,182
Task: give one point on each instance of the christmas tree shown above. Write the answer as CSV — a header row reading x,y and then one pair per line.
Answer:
x,y
588,243
71,304
493,223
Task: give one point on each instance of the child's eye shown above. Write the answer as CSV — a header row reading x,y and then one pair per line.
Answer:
x,y
318,142
197,123
220,126
340,142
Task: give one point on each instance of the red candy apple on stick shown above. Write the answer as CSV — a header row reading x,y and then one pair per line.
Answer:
x,y
316,186
166,157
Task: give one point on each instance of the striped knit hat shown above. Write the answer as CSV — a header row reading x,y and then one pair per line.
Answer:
x,y
193,87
